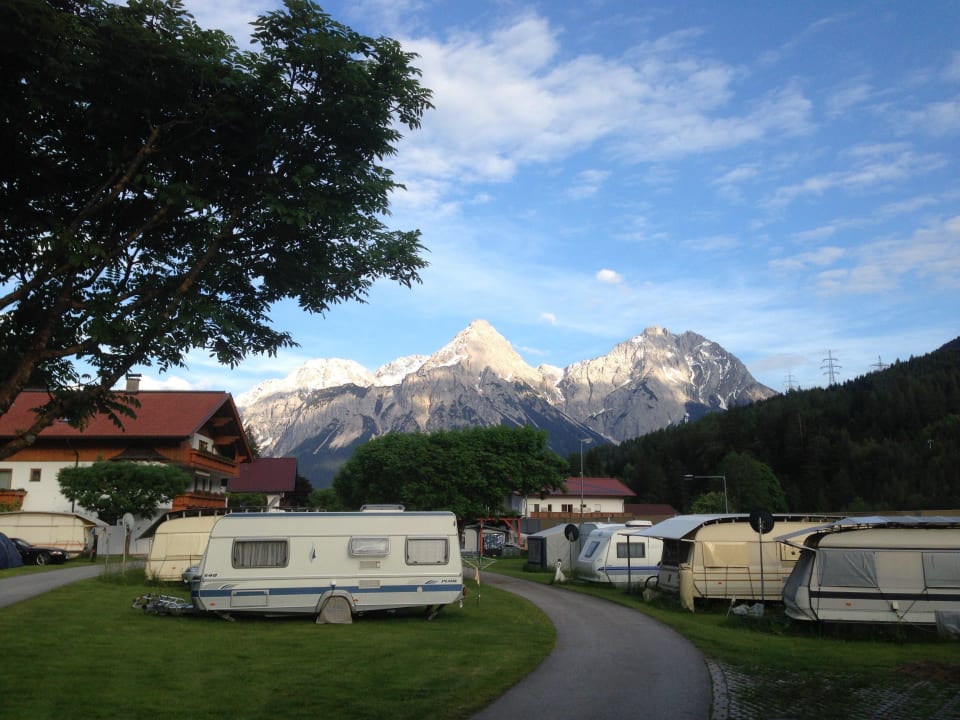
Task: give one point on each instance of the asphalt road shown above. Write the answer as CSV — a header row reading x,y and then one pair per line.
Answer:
x,y
609,662
21,587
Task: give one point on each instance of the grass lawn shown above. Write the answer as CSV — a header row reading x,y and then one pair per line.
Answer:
x,y
82,652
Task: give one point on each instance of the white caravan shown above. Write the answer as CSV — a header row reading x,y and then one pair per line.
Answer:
x,y
614,554
877,570
332,565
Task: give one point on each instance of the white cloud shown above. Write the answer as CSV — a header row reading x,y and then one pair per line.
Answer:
x,y
549,318
609,277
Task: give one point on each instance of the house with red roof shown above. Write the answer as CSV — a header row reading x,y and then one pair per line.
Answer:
x,y
198,431
273,477
593,497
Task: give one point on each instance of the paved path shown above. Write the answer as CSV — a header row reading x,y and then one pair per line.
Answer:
x,y
609,662
20,587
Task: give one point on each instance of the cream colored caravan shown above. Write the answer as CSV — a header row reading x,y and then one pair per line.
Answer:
x,y
332,565
178,544
712,557
877,570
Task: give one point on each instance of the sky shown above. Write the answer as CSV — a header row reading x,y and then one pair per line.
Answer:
x,y
779,177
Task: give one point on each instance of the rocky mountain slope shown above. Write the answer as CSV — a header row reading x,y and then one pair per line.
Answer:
x,y
324,409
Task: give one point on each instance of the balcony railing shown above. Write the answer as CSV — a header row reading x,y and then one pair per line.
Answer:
x,y
192,500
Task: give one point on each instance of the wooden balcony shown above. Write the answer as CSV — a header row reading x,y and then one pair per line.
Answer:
x,y
194,500
12,500
211,462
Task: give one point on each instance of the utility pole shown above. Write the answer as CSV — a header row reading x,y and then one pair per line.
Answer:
x,y
830,366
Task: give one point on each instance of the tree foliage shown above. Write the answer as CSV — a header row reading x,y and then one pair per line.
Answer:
x,y
470,472
111,489
889,440
161,189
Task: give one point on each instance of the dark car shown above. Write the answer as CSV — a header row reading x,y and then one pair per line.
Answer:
x,y
39,555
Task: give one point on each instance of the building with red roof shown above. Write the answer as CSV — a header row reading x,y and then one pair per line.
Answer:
x,y
198,431
273,477
593,497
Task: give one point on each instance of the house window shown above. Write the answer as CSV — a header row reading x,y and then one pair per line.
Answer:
x,y
536,507
567,508
204,446
34,474
260,553
427,551
6,479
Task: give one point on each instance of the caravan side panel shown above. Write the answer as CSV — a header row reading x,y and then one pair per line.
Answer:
x,y
878,575
282,563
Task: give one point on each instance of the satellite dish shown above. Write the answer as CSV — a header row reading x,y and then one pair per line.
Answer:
x,y
571,532
761,521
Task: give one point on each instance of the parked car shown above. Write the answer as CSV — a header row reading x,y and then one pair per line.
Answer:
x,y
39,554
190,574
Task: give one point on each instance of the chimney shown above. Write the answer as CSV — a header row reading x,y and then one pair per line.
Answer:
x,y
133,382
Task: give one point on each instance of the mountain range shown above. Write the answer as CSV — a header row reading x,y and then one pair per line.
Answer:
x,y
324,409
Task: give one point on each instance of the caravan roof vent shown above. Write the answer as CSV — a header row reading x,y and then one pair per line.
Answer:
x,y
381,508
639,523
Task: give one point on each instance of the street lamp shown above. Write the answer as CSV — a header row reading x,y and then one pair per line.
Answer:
x,y
726,504
583,441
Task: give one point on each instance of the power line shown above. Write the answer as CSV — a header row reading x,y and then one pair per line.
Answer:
x,y
831,366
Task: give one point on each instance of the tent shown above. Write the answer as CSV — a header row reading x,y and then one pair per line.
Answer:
x,y
9,557
548,546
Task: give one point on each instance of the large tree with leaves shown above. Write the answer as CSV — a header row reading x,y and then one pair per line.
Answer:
x,y
112,489
161,189
469,472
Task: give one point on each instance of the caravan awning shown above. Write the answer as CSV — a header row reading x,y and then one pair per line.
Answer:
x,y
874,521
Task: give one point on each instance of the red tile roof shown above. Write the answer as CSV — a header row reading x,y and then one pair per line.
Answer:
x,y
266,475
162,413
595,487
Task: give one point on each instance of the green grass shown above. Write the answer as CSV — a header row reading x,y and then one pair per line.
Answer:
x,y
799,669
83,651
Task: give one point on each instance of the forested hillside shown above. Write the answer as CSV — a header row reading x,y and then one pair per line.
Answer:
x,y
889,440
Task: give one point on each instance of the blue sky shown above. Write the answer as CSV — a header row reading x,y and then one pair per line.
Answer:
x,y
781,178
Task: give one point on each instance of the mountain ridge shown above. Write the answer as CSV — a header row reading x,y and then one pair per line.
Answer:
x,y
323,409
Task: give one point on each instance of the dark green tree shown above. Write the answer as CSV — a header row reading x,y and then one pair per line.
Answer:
x,y
470,472
751,484
161,189
112,489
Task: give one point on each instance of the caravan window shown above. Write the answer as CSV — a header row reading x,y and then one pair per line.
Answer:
x,y
260,553
942,569
848,568
636,549
675,553
369,547
591,549
427,551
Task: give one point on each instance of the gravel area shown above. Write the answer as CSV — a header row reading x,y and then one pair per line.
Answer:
x,y
923,692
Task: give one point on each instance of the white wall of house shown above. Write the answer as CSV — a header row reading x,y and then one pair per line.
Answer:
x,y
567,503
44,495
43,490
